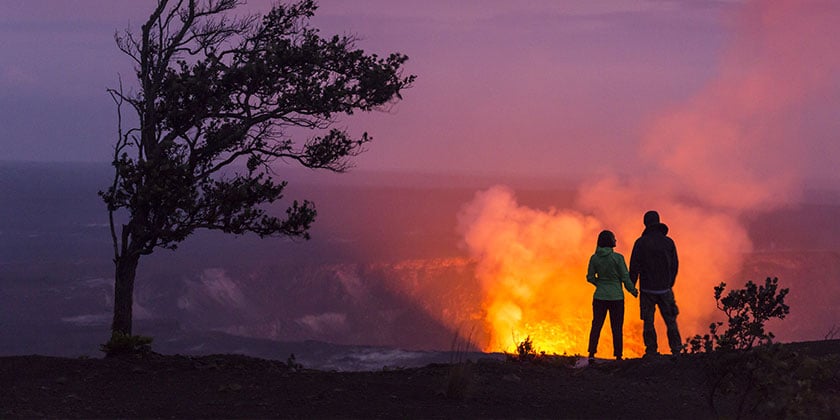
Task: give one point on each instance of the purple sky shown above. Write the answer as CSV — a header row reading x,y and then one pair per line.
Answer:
x,y
514,88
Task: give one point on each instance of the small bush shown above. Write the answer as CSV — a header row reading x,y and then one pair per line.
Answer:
x,y
833,333
126,344
750,376
461,375
525,351
292,363
746,311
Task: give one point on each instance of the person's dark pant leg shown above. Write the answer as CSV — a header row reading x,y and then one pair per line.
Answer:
x,y
599,314
616,310
669,310
647,308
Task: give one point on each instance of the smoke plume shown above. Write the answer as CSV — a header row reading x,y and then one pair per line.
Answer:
x,y
732,148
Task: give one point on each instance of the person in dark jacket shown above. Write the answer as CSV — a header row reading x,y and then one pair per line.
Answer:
x,y
654,264
608,272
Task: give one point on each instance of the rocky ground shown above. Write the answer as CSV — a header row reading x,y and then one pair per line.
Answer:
x,y
232,386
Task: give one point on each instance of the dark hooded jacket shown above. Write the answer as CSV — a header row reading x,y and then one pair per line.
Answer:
x,y
653,261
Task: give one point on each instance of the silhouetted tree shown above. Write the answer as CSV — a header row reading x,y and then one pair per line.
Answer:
x,y
747,374
216,97
747,310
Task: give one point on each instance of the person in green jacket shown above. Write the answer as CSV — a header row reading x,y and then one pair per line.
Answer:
x,y
608,271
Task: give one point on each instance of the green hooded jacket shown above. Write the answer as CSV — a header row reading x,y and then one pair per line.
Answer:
x,y
607,270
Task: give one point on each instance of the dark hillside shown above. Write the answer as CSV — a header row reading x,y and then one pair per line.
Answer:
x,y
240,387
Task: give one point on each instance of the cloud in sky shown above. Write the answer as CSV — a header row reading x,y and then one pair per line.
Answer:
x,y
520,88
475,10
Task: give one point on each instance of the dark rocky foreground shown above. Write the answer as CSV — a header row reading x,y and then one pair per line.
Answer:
x,y
232,386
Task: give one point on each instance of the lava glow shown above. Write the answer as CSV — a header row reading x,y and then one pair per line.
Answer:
x,y
531,267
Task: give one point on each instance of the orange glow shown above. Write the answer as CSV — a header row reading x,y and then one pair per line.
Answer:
x,y
531,268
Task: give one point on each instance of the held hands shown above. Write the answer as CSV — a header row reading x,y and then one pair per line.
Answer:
x,y
635,293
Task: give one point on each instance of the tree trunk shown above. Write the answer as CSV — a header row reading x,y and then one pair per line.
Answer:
x,y
126,269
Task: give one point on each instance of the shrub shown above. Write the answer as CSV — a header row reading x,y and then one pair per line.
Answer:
x,y
292,363
461,375
525,350
126,344
750,376
746,311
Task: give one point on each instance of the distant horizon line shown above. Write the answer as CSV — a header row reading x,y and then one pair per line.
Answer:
x,y
350,172
501,177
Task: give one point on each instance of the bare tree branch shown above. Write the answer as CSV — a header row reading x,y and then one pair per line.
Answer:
x,y
217,98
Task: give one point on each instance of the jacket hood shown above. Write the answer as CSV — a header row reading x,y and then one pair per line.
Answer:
x,y
656,228
603,251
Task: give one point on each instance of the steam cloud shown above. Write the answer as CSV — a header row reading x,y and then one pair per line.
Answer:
x,y
732,148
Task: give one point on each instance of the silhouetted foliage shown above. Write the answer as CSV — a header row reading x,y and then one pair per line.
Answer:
x,y
292,363
746,311
525,350
461,375
747,374
218,97
123,344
